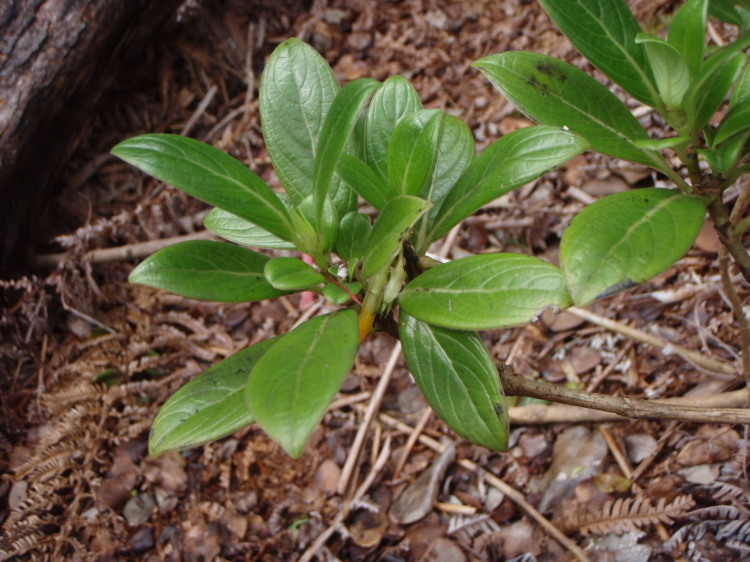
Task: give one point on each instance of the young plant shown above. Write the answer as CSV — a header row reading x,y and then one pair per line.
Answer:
x,y
419,169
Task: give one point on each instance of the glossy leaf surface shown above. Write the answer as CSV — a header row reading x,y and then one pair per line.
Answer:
x,y
336,130
291,274
207,270
293,383
625,239
210,406
687,32
456,151
671,72
341,294
396,99
296,92
712,84
352,238
736,121
365,181
209,174
458,378
413,151
741,90
485,292
604,31
236,229
517,158
553,92
390,230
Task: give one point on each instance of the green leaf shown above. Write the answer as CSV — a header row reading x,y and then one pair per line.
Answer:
x,y
324,234
604,31
485,292
393,101
207,270
365,181
515,159
553,92
724,10
209,174
336,130
337,295
413,151
736,121
741,90
687,32
625,239
709,89
236,229
663,144
728,154
456,151
296,92
390,230
352,237
458,378
671,72
210,406
291,274
289,397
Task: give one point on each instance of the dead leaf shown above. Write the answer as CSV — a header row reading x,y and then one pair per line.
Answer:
x,y
560,322
138,509
700,474
576,456
422,535
166,471
419,497
583,359
708,240
532,445
368,527
120,480
519,538
639,446
611,483
327,476
710,444
607,186
445,550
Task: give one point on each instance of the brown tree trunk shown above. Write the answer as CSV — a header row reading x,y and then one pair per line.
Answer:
x,y
56,59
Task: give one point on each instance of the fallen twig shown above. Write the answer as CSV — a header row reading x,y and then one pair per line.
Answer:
x,y
516,385
121,253
372,408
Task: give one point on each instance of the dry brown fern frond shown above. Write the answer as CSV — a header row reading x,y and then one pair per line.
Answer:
x,y
622,515
727,524
736,491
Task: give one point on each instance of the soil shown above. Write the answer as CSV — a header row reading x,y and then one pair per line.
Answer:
x,y
87,359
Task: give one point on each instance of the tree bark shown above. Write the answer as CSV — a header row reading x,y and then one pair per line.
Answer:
x,y
56,59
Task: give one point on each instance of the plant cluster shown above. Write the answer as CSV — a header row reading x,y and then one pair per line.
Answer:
x,y
332,146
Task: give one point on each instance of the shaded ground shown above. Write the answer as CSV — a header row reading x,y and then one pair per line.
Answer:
x,y
87,359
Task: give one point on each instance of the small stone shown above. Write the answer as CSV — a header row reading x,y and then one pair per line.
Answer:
x,y
143,540
701,474
359,40
138,509
640,446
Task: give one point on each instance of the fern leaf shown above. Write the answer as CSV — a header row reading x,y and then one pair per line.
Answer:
x,y
623,515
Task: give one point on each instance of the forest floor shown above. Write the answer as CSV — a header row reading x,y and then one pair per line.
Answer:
x,y
87,359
